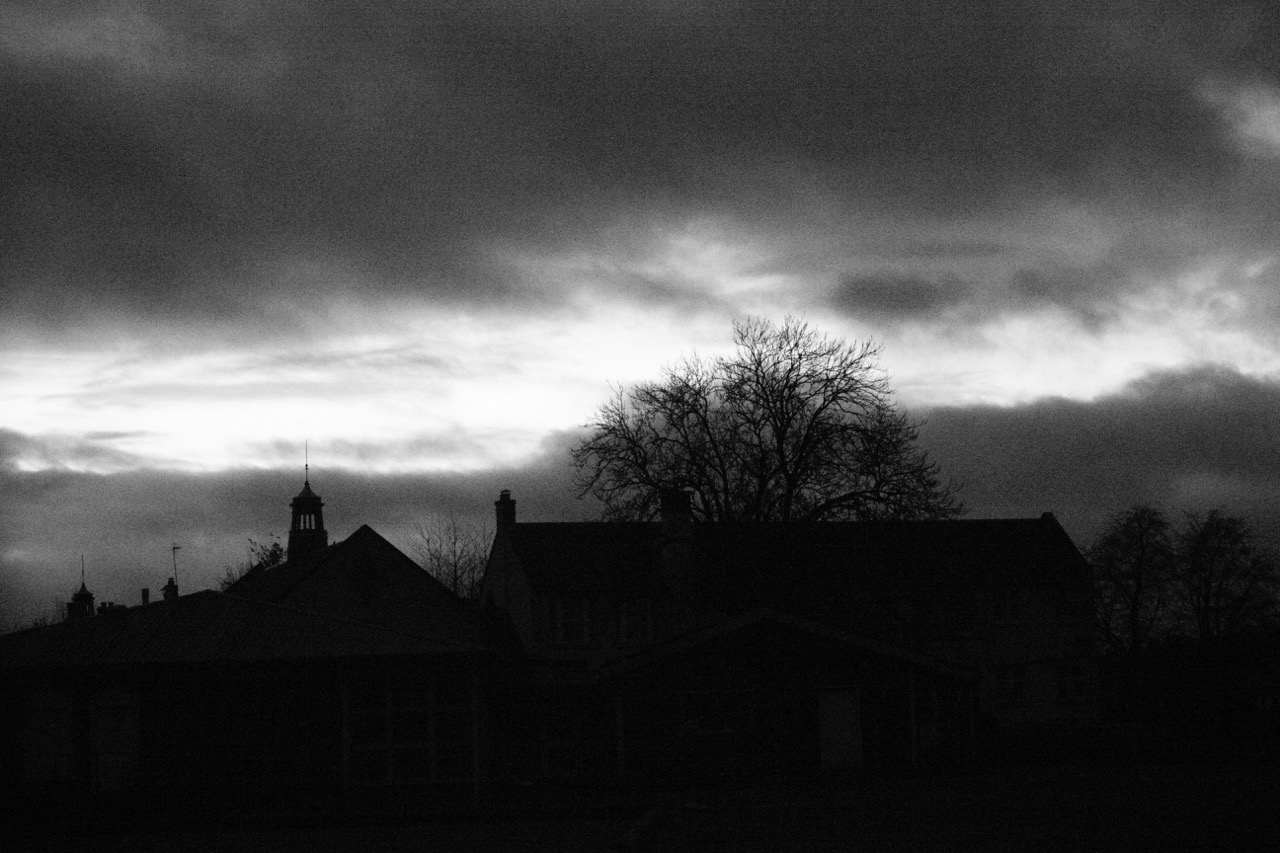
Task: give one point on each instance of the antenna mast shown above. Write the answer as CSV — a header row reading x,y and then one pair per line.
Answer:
x,y
174,549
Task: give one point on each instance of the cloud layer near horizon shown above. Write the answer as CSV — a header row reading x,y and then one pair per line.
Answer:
x,y
1191,440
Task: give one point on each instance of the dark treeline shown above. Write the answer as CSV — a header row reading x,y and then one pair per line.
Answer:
x,y
1204,578
1188,618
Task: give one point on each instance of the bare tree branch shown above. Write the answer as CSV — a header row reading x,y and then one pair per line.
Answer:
x,y
794,426
454,552
262,555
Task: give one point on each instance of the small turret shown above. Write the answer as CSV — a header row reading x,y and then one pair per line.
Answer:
x,y
81,604
306,531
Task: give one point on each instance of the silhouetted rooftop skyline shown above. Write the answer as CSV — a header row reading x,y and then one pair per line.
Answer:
x,y
425,240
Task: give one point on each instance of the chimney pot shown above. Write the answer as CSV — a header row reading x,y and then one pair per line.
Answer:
x,y
146,595
505,510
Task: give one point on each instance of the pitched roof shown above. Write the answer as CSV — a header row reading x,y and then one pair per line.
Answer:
x,y
367,579
991,551
587,556
274,584
883,575
210,626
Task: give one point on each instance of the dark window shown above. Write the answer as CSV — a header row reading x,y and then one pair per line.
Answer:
x,y
717,711
1008,606
453,744
635,621
1011,684
573,622
48,747
1071,683
571,625
408,732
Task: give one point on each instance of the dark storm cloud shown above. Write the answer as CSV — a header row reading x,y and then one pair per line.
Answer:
x,y
1148,254
92,451
178,161
900,296
1196,438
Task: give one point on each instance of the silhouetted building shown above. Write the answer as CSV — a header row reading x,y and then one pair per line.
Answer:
x,y
669,646
344,680
347,679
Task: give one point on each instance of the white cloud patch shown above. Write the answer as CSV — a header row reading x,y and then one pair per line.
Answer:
x,y
1252,110
439,389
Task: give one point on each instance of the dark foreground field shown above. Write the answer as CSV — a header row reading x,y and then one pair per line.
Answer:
x,y
1065,809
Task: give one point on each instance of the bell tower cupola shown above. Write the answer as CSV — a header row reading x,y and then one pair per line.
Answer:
x,y
81,604
306,531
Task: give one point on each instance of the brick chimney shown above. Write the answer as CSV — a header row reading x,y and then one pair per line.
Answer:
x,y
505,511
170,591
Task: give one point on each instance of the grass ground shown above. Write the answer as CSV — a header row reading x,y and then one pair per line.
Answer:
x,y
1056,809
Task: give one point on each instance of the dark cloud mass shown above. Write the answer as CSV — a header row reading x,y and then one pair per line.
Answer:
x,y
900,295
1191,439
53,451
170,159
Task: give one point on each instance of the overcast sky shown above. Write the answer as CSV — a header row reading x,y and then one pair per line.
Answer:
x,y
425,237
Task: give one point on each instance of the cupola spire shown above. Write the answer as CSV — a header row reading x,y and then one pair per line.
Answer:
x,y
306,530
81,604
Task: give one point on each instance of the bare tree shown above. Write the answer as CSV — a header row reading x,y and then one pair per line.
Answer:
x,y
1226,583
262,555
794,426
1133,572
1207,579
454,552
